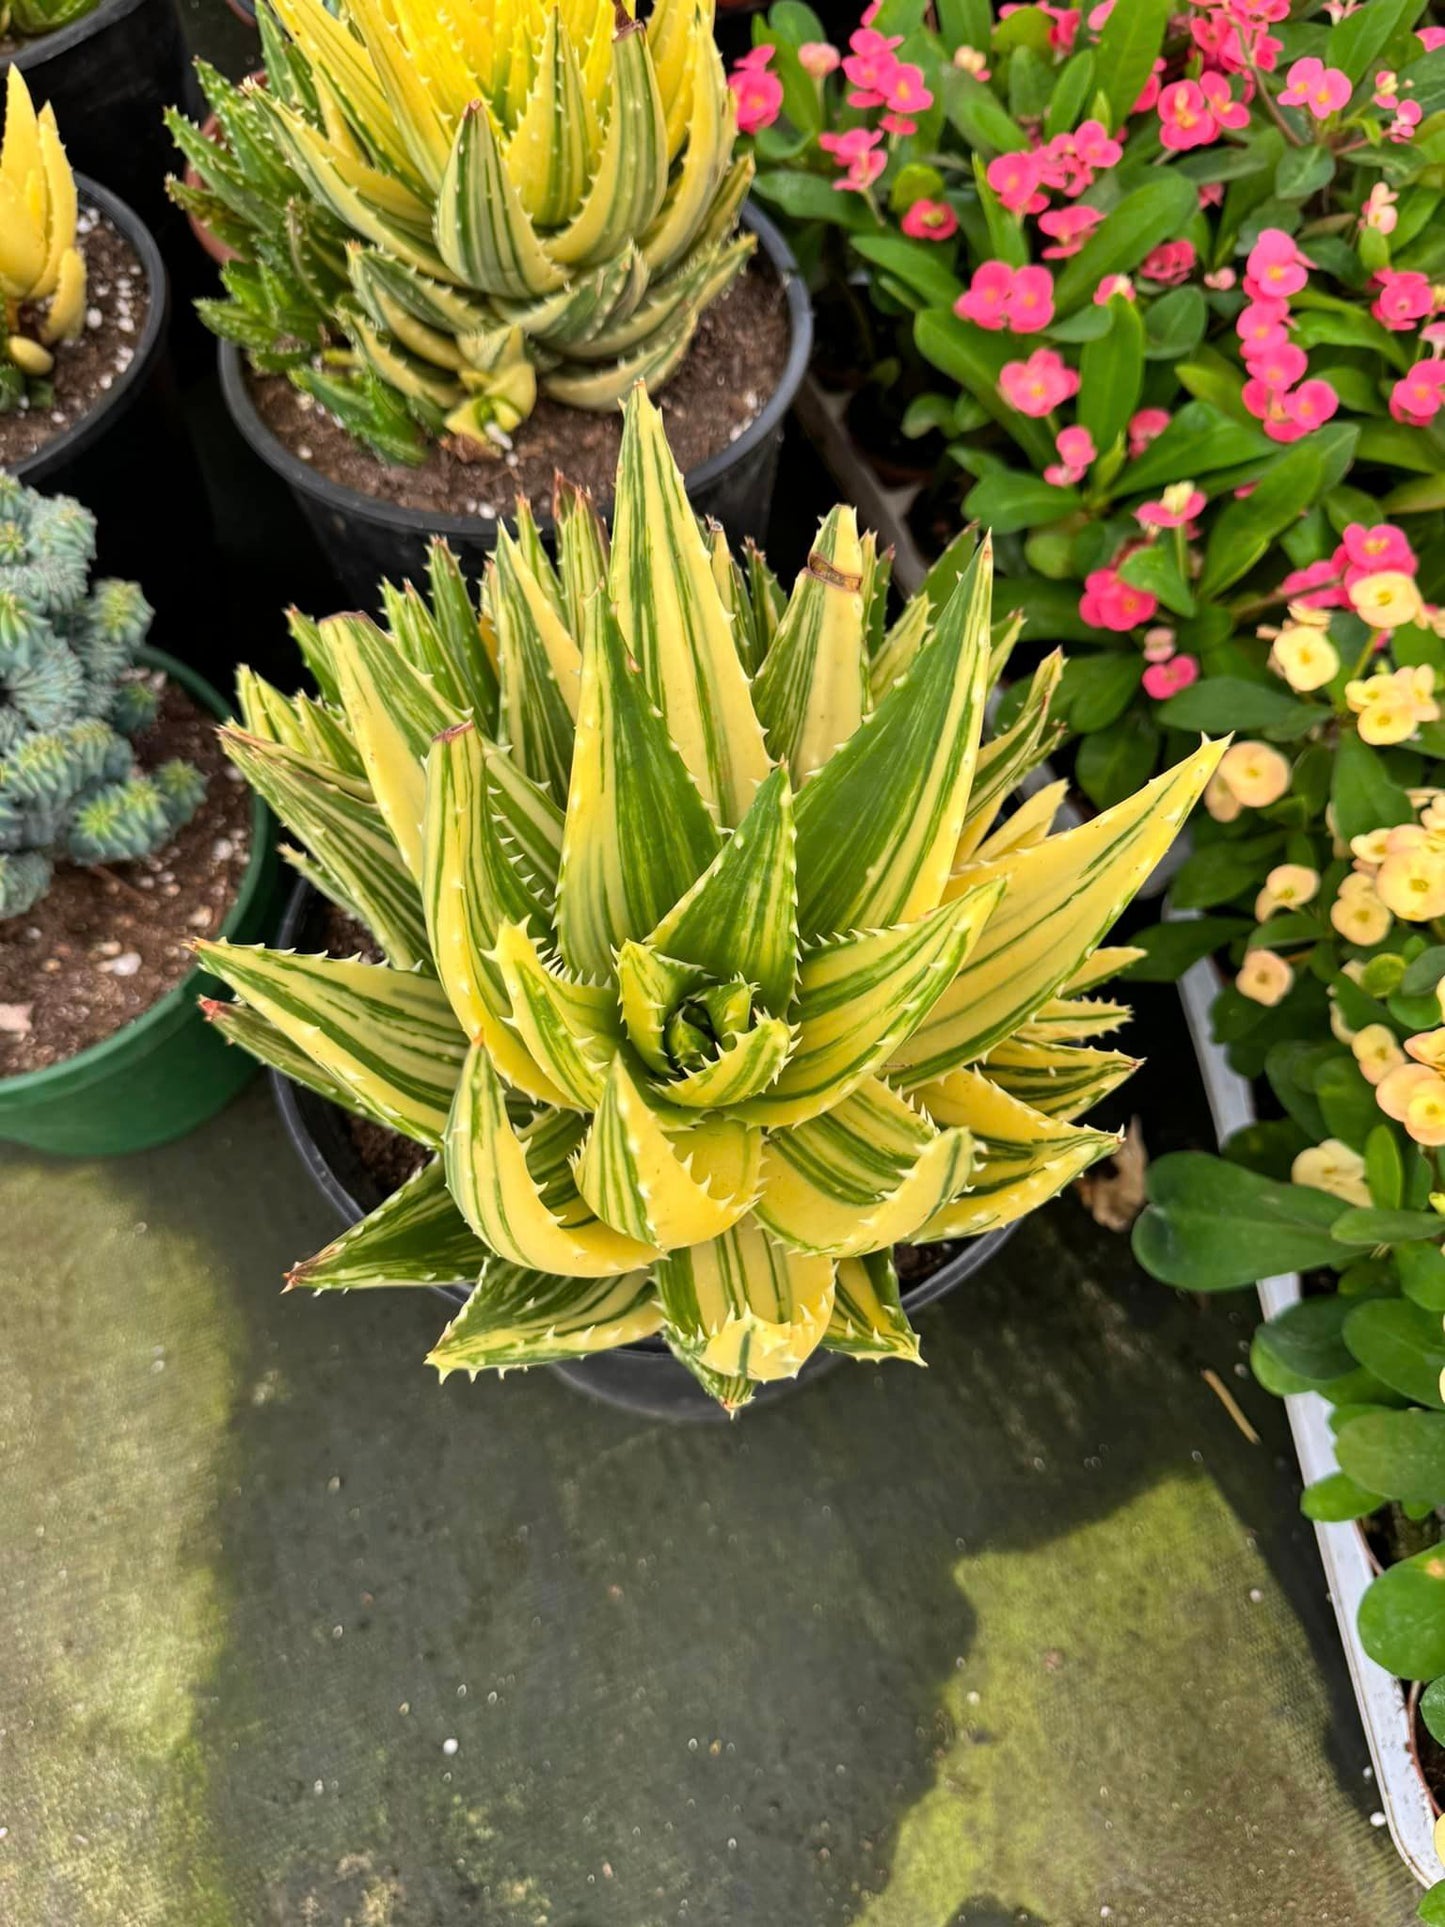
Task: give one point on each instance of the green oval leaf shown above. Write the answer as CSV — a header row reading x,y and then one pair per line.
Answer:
x,y
1400,1455
1402,1617
1403,1345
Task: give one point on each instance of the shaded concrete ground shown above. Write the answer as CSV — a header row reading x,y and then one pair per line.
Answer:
x,y
1033,1636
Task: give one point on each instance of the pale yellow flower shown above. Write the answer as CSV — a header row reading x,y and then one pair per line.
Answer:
x,y
1387,599
1425,1111
1306,616
1391,703
1341,1029
1264,977
1359,915
1428,1047
1287,886
1376,1051
1394,1091
1305,657
1220,800
1332,1166
1370,848
1411,883
1256,773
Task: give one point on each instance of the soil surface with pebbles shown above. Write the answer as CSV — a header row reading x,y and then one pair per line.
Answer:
x,y
117,301
103,945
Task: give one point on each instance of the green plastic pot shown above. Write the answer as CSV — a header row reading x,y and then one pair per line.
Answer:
x,y
167,1071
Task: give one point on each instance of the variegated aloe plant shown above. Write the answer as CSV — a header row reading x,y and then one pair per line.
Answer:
x,y
440,210
714,965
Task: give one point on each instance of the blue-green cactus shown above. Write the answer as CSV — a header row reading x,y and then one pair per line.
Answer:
x,y
70,700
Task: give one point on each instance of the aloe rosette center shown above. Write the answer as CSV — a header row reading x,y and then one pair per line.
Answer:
x,y
715,965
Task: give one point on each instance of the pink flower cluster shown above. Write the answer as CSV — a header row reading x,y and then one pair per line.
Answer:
x,y
1037,386
1109,602
757,94
859,154
880,79
1067,165
998,296
1277,393
1320,89
1076,451
1234,37
1192,113
1404,298
1363,550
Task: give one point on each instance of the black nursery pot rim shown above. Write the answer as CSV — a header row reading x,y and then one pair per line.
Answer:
x,y
126,389
427,522
46,46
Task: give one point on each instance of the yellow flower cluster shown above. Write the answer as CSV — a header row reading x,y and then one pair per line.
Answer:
x,y
1413,1093
1392,703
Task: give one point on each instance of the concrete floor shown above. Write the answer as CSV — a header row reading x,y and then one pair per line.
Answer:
x,y
291,1635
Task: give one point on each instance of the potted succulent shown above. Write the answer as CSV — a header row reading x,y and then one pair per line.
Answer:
x,y
1180,274
121,837
724,977
453,263
109,68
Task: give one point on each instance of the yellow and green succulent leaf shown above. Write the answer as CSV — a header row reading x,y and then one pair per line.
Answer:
x,y
1061,1080
529,820
482,230
744,1305
305,632
895,656
548,151
412,624
630,179
637,833
665,1190
598,386
388,1035
729,1389
241,1025
811,693
1065,1020
1106,962
571,1029
415,1237
581,552
868,1317
1061,896
743,1068
1004,762
466,675
863,1176
739,919
499,1194
394,711
541,668
877,581
710,131
517,1318
860,998
675,624
338,820
650,987
878,824
1026,825
1024,1157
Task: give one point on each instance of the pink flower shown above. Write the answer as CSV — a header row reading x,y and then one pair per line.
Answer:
x,y
1159,643
1380,211
854,151
998,296
759,94
1211,194
1109,602
1076,451
1405,297
930,221
1111,285
1323,90
1407,119
1145,426
818,58
1261,326
1309,406
1184,116
1149,94
1229,112
1430,38
1317,585
1276,268
1038,385
1170,263
870,66
1070,228
906,92
1278,366
1165,679
1095,146
1365,551
1161,515
1416,397
1015,178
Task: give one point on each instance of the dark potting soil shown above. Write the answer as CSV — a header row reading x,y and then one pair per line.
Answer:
x,y
103,945
117,300
734,365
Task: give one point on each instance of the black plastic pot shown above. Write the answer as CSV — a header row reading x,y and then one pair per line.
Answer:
x,y
110,77
644,1377
365,539
130,461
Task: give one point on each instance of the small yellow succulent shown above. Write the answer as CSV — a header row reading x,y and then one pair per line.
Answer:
x,y
42,271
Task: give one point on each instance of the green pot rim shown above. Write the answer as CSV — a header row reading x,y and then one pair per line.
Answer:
x,y
94,1056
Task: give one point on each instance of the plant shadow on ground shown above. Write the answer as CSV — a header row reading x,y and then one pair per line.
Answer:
x,y
727,1674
